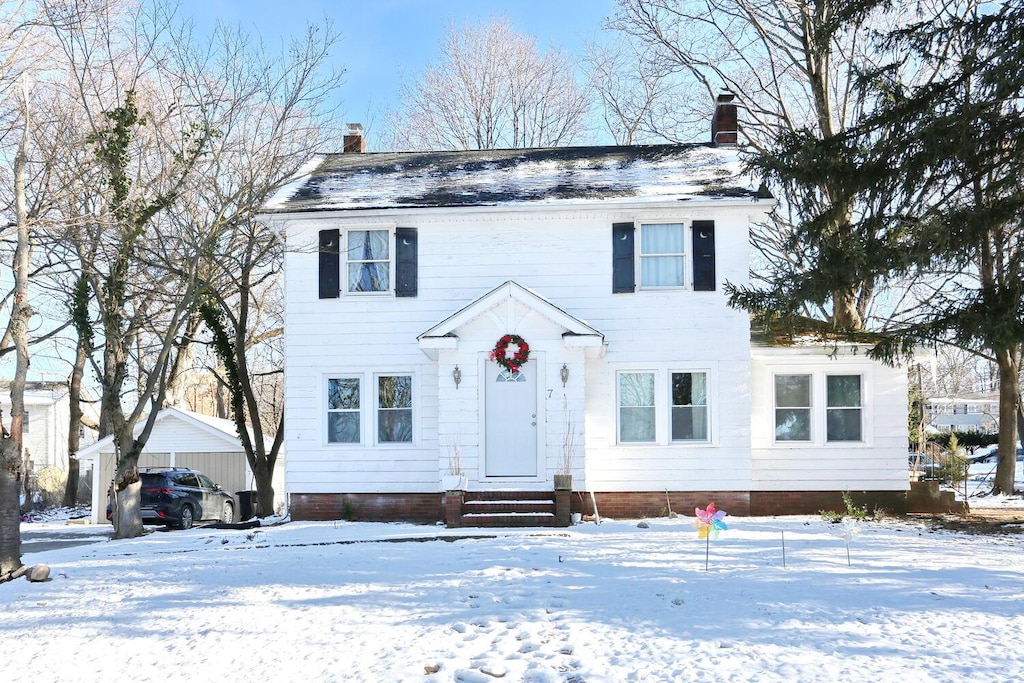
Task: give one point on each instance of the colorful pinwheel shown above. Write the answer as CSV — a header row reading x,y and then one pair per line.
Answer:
x,y
709,521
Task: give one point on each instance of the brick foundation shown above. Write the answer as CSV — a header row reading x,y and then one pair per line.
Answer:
x,y
420,508
429,508
764,503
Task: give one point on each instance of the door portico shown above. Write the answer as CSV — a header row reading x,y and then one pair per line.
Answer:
x,y
510,437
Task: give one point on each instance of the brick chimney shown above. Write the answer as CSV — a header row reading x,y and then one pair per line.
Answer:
x,y
723,125
355,143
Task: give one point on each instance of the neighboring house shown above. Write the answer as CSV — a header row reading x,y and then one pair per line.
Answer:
x,y
180,438
47,419
962,413
406,273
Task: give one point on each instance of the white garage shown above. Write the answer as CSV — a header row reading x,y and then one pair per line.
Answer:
x,y
180,438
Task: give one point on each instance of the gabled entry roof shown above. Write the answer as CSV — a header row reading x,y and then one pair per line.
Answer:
x,y
577,333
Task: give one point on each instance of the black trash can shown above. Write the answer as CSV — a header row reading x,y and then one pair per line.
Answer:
x,y
246,505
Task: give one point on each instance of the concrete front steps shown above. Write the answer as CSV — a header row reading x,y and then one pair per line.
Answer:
x,y
507,508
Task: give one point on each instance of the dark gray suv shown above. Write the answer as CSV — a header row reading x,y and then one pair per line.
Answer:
x,y
177,496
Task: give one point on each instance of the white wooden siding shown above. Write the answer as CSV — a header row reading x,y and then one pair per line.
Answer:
x,y
878,463
562,256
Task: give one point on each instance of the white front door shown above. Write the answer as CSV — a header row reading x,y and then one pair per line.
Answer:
x,y
511,421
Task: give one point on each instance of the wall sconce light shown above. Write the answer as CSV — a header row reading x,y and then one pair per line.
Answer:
x,y
457,376
564,374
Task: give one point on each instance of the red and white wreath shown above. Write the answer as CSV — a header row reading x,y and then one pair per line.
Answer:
x,y
516,360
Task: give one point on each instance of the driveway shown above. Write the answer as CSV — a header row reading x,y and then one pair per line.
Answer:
x,y
38,538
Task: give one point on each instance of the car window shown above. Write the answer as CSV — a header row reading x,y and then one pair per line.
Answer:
x,y
184,479
206,482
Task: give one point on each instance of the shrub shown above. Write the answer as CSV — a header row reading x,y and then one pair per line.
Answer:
x,y
953,469
51,482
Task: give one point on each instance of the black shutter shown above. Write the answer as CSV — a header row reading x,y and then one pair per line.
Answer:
x,y
330,264
623,264
406,261
703,256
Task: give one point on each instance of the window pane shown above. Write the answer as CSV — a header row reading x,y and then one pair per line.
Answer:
x,y
368,245
636,389
793,391
792,424
843,424
690,424
369,277
661,271
394,426
343,394
843,391
394,392
689,389
343,427
661,239
636,424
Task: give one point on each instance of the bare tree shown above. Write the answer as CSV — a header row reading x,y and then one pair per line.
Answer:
x,y
640,96
11,441
256,150
490,88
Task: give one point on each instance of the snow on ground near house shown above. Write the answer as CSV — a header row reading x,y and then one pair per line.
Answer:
x,y
610,602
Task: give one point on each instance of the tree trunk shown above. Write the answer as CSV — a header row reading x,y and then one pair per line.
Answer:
x,y
264,489
1009,400
75,421
10,519
126,493
10,443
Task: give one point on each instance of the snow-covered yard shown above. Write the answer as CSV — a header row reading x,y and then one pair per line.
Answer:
x,y
394,602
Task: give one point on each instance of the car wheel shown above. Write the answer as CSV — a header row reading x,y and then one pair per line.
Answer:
x,y
228,515
186,518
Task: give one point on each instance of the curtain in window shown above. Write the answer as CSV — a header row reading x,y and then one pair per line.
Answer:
x,y
661,255
636,406
369,265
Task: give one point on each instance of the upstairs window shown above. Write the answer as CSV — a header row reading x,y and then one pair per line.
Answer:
x,y
368,260
662,255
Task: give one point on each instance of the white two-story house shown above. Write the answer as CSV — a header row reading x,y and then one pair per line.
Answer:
x,y
417,282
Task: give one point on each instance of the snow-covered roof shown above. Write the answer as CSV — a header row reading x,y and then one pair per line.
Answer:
x,y
546,176
220,429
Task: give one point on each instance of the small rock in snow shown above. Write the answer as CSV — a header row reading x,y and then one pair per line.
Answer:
x,y
38,573
643,525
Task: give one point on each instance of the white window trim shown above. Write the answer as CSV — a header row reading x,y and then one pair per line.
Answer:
x,y
663,406
686,255
344,262
376,410
819,428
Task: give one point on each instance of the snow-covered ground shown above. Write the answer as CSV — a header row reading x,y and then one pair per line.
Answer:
x,y
611,602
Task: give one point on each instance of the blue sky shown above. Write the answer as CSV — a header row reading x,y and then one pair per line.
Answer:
x,y
384,39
